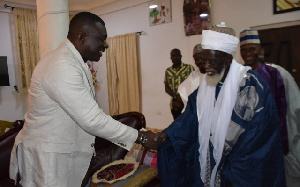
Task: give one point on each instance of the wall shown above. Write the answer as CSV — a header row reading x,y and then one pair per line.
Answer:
x,y
243,14
157,42
155,46
12,104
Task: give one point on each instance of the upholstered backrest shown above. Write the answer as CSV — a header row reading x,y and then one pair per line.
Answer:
x,y
133,119
7,141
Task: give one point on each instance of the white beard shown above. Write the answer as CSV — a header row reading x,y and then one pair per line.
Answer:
x,y
214,80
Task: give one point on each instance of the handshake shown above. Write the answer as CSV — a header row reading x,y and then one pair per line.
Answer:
x,y
150,140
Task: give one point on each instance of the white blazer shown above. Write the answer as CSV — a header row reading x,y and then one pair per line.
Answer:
x,y
55,146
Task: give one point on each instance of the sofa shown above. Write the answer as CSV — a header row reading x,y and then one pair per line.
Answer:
x,y
7,140
106,152
5,125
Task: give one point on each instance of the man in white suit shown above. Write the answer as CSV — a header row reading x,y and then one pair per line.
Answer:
x,y
55,146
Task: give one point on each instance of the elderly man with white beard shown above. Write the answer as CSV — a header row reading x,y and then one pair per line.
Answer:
x,y
229,132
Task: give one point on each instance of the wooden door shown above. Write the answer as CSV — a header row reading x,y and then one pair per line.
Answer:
x,y
282,47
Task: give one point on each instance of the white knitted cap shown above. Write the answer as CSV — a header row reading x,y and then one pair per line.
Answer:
x,y
219,39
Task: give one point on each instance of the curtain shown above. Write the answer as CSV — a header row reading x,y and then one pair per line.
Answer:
x,y
122,74
27,44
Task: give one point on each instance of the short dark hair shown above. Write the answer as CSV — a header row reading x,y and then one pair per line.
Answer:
x,y
84,18
175,49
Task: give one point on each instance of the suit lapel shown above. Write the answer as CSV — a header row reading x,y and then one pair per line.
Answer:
x,y
83,65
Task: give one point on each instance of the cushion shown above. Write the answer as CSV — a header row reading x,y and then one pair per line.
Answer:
x,y
142,176
142,155
115,171
5,125
135,152
149,159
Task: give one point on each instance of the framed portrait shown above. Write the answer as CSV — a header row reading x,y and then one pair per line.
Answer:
x,y
282,6
197,16
160,12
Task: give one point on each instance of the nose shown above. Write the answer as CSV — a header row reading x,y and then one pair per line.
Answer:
x,y
206,64
105,45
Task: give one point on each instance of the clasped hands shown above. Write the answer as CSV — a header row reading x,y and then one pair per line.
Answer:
x,y
177,103
154,141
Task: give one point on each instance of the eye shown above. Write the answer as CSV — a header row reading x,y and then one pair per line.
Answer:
x,y
211,61
102,40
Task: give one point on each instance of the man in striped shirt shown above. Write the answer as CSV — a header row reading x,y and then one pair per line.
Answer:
x,y
174,76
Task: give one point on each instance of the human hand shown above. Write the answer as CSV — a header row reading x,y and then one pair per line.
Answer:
x,y
177,103
161,137
150,143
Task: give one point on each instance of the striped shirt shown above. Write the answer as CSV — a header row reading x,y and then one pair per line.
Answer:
x,y
175,76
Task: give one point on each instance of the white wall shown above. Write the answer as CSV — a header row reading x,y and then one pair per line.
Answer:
x,y
156,44
12,104
240,15
155,47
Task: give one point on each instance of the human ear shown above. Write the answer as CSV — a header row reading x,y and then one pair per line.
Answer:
x,y
229,59
82,37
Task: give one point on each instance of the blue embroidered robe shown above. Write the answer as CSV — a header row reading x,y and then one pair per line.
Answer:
x,y
252,153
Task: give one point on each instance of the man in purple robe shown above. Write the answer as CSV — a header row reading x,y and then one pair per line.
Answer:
x,y
250,50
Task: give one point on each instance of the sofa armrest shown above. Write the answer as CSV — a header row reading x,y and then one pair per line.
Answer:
x,y
7,141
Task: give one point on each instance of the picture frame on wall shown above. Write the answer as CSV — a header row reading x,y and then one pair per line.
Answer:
x,y
283,6
160,12
197,16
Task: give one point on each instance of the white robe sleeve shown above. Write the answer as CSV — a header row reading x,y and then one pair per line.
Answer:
x,y
189,85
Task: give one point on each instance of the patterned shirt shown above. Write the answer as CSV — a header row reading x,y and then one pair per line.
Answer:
x,y
175,76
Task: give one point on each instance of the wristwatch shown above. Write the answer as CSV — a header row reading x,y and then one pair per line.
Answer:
x,y
143,139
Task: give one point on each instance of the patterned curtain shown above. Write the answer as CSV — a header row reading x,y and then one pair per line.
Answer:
x,y
27,44
122,74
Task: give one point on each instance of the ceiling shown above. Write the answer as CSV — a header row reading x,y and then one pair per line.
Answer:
x,y
74,5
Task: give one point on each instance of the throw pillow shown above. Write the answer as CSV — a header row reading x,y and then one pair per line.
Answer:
x,y
142,156
142,176
115,171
